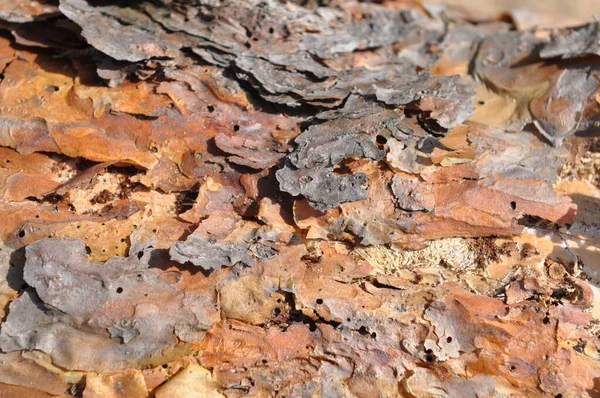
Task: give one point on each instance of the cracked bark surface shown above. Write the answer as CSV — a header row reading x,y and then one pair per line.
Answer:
x,y
296,199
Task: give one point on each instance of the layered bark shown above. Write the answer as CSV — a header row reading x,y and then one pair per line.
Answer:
x,y
230,198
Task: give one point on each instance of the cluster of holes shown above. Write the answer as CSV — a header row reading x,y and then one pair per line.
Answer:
x,y
429,355
277,310
363,331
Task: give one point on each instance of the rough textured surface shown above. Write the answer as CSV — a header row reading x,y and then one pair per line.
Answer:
x,y
573,42
210,255
322,187
296,199
82,301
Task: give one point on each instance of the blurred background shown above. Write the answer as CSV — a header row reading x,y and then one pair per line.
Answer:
x,y
582,10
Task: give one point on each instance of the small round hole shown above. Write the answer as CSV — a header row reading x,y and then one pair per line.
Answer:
x,y
448,339
381,140
119,290
271,30
21,234
210,108
319,301
236,128
513,206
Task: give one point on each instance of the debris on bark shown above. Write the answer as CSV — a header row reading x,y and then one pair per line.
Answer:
x,y
318,198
